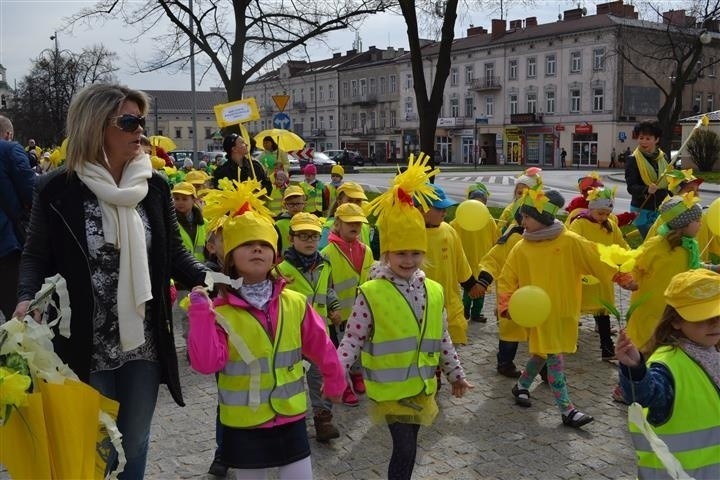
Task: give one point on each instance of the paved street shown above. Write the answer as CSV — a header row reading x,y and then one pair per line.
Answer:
x,y
481,436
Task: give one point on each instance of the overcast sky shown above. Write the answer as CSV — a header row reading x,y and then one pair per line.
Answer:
x,y
26,27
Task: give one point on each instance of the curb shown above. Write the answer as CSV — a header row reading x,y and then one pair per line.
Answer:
x,y
704,187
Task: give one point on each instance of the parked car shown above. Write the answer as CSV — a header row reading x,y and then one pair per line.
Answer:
x,y
339,156
323,162
181,155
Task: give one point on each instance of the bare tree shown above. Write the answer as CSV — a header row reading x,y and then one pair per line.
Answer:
x,y
236,38
42,99
672,55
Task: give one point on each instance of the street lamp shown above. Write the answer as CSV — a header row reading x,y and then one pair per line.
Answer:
x,y
705,37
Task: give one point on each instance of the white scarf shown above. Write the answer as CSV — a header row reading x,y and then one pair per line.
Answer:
x,y
124,228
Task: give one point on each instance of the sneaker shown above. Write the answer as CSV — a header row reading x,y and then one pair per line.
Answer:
x,y
479,319
358,384
324,428
349,398
218,468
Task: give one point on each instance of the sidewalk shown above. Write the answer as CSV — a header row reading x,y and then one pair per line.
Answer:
x,y
708,187
481,436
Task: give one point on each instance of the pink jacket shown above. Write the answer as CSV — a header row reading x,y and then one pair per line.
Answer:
x,y
208,343
354,251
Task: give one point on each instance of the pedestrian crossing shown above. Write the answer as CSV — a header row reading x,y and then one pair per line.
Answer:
x,y
486,179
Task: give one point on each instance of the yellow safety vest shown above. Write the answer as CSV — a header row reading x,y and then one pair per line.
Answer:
x,y
692,433
275,204
316,294
332,194
196,246
313,196
364,230
283,226
400,359
345,278
282,391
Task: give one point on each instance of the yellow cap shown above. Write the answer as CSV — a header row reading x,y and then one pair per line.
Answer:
x,y
403,230
695,294
293,191
185,188
337,170
248,227
157,162
196,177
352,190
349,212
305,221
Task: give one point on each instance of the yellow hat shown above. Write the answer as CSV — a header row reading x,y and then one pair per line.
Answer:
x,y
248,227
196,177
238,208
157,162
349,212
401,224
695,294
185,188
293,191
337,170
305,221
352,190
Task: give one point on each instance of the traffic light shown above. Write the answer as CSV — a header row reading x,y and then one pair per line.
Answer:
x,y
3,102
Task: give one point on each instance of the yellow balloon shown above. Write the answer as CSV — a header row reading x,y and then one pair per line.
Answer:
x,y
713,217
472,215
529,306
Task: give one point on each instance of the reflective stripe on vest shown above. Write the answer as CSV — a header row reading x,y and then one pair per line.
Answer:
x,y
276,200
282,390
345,278
316,294
313,196
197,247
401,357
692,433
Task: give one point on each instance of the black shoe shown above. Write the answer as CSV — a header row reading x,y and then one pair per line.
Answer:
x,y
509,371
576,419
218,468
479,319
524,400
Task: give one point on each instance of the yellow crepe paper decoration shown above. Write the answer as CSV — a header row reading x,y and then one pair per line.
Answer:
x,y
618,257
537,199
232,196
601,192
676,177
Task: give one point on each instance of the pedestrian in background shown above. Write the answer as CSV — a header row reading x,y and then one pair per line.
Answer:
x,y
17,180
105,223
563,157
676,378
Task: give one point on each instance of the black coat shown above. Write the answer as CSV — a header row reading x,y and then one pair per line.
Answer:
x,y
638,190
57,243
229,169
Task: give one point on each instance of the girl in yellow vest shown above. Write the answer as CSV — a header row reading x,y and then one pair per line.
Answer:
x,y
673,251
255,335
398,329
676,377
348,192
350,260
475,245
337,172
310,274
595,224
313,189
190,219
555,260
280,183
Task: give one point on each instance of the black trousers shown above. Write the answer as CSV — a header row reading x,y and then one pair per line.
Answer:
x,y
9,272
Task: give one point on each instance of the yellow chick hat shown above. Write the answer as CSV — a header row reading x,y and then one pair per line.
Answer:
x,y
401,225
238,208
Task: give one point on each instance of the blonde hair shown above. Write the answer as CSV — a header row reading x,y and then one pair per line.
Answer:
x,y
89,115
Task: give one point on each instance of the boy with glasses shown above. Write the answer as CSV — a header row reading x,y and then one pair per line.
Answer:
x,y
293,203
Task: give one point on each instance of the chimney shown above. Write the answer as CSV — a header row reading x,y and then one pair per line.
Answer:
x,y
351,52
629,12
677,17
337,55
530,22
574,14
610,8
472,31
498,28
515,24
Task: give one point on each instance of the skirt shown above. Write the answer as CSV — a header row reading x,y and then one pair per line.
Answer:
x,y
248,448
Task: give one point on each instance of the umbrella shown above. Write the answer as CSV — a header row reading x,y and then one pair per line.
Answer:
x,y
163,142
285,139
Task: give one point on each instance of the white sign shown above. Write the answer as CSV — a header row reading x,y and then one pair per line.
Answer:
x,y
236,112
446,122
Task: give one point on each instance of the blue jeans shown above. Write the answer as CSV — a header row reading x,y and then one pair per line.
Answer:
x,y
135,386
506,353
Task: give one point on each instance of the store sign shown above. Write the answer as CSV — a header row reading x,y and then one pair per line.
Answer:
x,y
583,128
516,118
446,122
559,128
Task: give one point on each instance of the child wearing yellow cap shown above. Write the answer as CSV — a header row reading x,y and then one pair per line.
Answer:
x,y
398,327
348,192
337,172
255,335
310,274
676,377
190,219
350,260
293,203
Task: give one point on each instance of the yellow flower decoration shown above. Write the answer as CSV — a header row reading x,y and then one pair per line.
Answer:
x,y
705,120
234,198
13,389
676,177
690,199
618,257
537,198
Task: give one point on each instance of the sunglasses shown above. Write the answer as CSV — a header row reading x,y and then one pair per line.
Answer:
x,y
129,123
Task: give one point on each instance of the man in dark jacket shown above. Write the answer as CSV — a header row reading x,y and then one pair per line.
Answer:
x,y
237,153
16,185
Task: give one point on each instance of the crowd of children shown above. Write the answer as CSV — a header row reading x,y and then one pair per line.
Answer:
x,y
304,283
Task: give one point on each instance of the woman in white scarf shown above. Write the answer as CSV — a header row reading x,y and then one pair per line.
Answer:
x,y
106,201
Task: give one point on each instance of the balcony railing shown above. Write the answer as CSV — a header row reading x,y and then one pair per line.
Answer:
x,y
366,99
300,106
486,83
